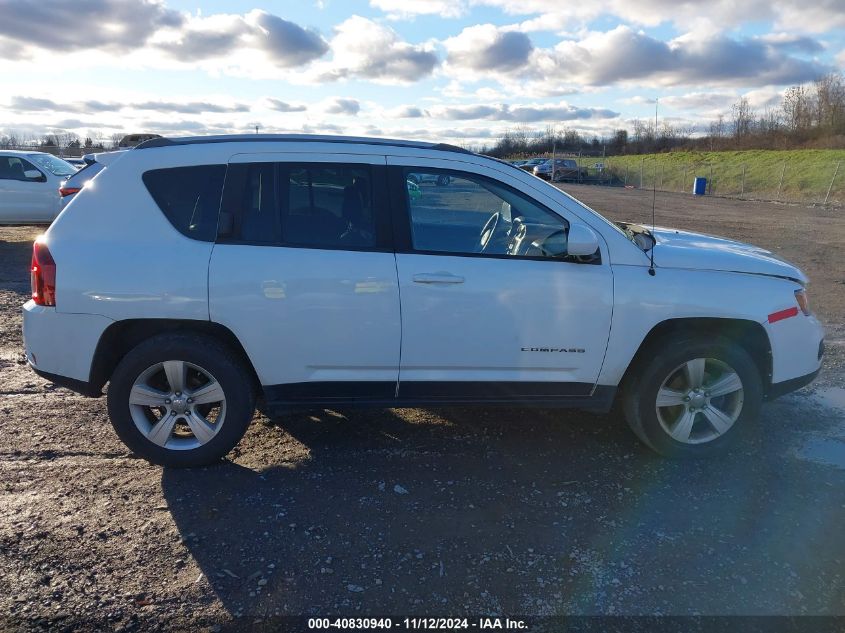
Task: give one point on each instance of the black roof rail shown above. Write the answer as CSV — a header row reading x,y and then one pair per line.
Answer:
x,y
296,138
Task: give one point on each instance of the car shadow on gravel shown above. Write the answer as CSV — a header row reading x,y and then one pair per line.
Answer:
x,y
500,511
14,265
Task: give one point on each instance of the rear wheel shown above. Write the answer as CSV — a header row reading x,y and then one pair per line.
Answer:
x,y
693,399
442,181
181,400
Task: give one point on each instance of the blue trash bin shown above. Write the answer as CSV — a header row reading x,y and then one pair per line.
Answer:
x,y
699,187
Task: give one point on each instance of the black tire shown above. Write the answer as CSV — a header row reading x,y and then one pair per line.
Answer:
x,y
205,352
442,181
658,363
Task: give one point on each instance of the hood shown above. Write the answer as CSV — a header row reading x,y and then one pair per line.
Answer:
x,y
685,249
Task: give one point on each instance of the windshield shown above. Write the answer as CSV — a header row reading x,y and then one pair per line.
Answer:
x,y
55,166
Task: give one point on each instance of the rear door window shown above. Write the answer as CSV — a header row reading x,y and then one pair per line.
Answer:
x,y
189,197
316,205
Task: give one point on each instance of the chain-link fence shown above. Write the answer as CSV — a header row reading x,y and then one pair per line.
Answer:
x,y
784,181
61,152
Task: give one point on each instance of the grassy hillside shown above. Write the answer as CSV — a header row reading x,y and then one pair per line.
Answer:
x,y
807,174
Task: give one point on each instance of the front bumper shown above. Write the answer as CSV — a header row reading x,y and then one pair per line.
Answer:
x,y
797,345
778,389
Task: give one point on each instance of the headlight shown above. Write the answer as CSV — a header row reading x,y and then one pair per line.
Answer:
x,y
803,301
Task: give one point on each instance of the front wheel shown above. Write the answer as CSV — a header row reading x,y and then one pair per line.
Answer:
x,y
692,397
442,181
181,400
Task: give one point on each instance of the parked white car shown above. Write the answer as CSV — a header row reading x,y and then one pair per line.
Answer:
x,y
29,186
441,180
202,273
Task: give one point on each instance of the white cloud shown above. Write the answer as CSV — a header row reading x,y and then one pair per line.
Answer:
x,y
364,48
340,105
274,40
704,103
398,9
92,106
406,112
624,56
283,106
520,113
486,47
120,25
705,16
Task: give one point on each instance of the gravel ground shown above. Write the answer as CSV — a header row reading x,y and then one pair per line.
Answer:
x,y
446,512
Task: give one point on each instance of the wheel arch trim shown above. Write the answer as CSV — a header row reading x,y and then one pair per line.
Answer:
x,y
122,336
751,335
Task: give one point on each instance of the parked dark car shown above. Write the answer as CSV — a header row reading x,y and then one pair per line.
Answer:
x,y
564,169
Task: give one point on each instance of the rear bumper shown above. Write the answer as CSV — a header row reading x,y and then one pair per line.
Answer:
x,y
61,346
82,387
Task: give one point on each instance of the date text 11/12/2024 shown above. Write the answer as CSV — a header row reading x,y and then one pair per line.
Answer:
x,y
434,624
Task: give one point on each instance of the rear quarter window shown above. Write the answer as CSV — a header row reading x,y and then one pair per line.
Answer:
x,y
189,197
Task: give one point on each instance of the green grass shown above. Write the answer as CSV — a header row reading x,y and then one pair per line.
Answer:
x,y
806,177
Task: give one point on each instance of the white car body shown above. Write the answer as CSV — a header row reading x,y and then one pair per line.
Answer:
x,y
392,326
30,200
94,163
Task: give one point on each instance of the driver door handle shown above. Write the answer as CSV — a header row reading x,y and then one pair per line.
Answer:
x,y
437,278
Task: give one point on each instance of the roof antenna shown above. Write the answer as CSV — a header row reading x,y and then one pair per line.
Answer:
x,y
653,199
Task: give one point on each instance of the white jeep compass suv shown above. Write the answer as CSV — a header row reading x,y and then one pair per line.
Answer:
x,y
201,274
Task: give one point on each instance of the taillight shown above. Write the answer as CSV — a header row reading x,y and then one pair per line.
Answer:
x,y
68,191
803,301
42,275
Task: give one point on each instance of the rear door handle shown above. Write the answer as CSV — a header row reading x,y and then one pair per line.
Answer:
x,y
437,278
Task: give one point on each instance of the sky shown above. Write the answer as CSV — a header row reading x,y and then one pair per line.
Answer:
x,y
458,71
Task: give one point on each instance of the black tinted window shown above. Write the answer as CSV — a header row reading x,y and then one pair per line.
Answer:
x,y
315,204
189,197
250,198
13,168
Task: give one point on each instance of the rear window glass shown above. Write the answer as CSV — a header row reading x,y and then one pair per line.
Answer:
x,y
84,175
55,166
189,197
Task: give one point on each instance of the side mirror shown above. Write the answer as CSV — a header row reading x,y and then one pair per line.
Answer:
x,y
32,174
582,240
553,245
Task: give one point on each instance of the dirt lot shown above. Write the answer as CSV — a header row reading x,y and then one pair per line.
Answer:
x,y
448,512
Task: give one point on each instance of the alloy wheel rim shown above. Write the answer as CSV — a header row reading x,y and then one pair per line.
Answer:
x,y
177,405
699,401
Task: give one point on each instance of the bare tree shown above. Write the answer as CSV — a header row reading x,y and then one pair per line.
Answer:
x,y
796,108
830,101
742,118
